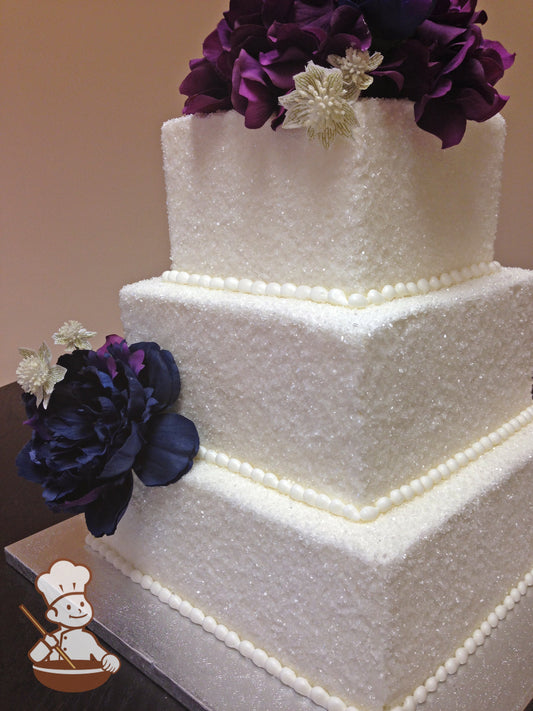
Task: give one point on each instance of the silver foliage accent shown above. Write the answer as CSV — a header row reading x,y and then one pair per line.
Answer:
x,y
36,375
73,335
323,100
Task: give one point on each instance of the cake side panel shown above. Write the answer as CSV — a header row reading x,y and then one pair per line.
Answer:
x,y
460,571
274,206
202,540
353,404
368,611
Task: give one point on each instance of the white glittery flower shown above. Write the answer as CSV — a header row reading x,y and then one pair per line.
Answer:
x,y
36,375
355,66
318,103
73,335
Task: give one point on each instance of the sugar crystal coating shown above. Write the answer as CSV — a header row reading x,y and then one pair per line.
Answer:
x,y
271,206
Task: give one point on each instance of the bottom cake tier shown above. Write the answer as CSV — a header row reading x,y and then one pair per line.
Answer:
x,y
367,616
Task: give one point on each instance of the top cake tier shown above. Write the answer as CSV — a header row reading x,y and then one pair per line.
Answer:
x,y
390,206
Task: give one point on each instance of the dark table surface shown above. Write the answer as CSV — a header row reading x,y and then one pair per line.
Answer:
x,y
22,513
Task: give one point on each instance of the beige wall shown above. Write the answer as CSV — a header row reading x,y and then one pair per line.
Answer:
x,y
85,86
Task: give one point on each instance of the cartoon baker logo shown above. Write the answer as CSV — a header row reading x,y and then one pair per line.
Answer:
x,y
70,658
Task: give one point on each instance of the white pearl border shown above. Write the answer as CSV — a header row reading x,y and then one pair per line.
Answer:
x,y
285,674
336,297
469,647
366,514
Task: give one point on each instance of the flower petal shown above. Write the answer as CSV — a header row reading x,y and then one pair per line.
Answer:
x,y
103,515
160,372
26,467
122,459
171,447
445,120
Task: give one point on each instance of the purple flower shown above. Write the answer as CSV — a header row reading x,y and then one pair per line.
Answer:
x,y
251,58
463,70
434,54
448,69
104,419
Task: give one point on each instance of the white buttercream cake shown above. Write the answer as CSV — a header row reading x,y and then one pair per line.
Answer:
x,y
358,520
353,532
275,207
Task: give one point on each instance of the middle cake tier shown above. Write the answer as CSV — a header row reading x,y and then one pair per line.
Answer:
x,y
353,404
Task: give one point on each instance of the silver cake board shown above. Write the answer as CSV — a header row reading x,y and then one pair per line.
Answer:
x,y
204,675
190,665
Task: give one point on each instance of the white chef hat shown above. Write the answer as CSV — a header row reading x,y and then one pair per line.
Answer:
x,y
64,578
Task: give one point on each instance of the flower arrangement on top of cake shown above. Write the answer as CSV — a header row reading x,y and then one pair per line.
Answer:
x,y
304,63
97,416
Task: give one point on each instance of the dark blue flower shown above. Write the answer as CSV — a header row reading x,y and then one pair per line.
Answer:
x,y
107,418
393,19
